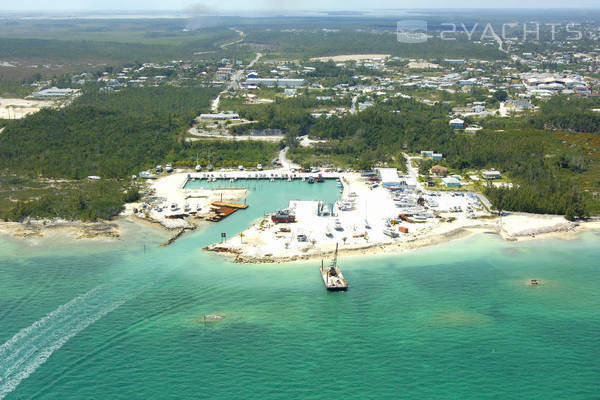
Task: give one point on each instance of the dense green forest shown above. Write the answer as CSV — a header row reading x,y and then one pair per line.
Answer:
x,y
571,114
553,197
307,44
543,167
85,200
110,135
223,153
290,115
112,41
113,136
381,132
14,89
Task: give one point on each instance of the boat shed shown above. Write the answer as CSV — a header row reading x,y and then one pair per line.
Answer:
x,y
388,176
491,174
451,182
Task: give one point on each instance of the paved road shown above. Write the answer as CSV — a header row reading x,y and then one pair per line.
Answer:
x,y
233,84
485,201
285,163
353,108
241,39
412,172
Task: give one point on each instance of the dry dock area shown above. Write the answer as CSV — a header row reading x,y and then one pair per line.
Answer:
x,y
366,218
363,217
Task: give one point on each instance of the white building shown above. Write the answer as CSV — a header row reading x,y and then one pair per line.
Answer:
x,y
451,182
53,93
220,116
388,176
491,174
457,123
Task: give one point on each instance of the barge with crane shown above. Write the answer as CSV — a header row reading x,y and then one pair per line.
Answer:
x,y
332,275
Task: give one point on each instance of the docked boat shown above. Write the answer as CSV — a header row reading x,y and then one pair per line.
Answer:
x,y
169,168
347,206
147,175
328,232
390,232
405,204
283,216
320,178
338,225
332,276
311,179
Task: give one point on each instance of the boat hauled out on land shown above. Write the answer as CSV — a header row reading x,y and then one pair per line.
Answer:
x,y
283,216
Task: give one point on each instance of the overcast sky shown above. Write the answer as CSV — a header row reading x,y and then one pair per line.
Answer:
x,y
108,5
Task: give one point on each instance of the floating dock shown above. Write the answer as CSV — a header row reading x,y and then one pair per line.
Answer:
x,y
221,210
230,205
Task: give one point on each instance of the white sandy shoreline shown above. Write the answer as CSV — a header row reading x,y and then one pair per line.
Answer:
x,y
460,232
111,230
266,242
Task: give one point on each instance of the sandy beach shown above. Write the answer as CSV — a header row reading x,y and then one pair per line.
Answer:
x,y
75,229
241,254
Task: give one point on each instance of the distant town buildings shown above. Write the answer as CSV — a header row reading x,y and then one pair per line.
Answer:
x,y
519,104
224,73
53,93
280,82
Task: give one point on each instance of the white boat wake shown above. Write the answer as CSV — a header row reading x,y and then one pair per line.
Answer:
x,y
31,347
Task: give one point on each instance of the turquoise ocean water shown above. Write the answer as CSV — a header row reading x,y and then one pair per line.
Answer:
x,y
124,320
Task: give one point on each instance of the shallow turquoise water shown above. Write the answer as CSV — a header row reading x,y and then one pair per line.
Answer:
x,y
115,321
